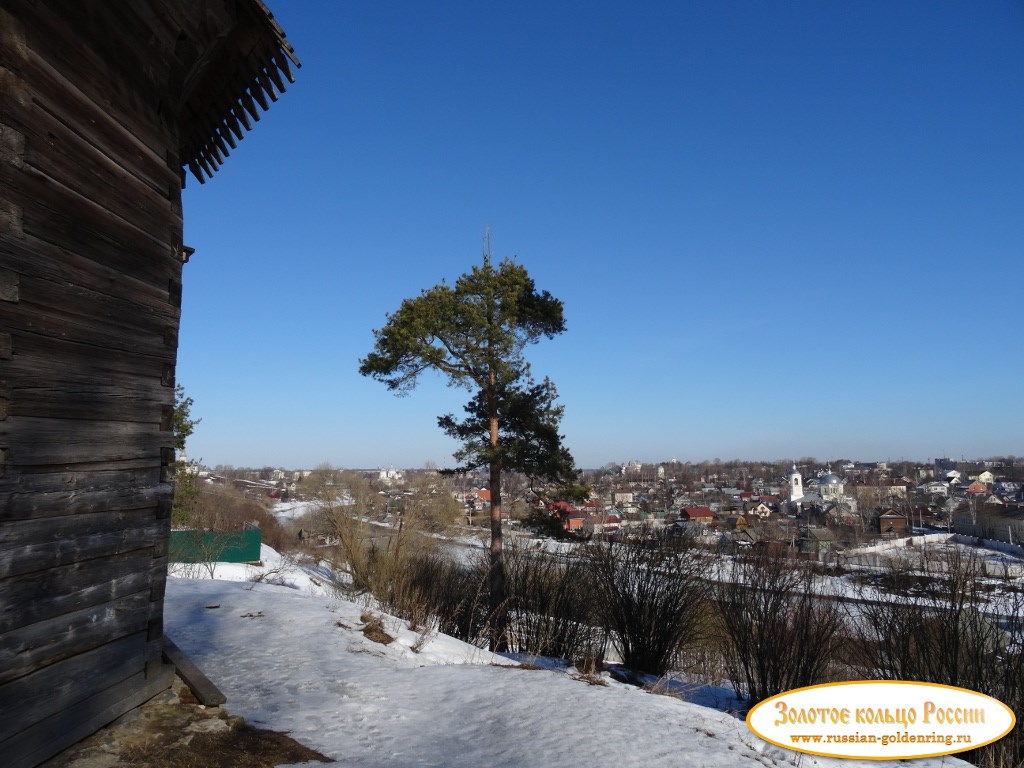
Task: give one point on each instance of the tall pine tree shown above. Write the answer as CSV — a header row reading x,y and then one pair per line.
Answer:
x,y
475,332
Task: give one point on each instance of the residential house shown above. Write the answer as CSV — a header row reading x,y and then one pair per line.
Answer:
x,y
573,521
894,489
622,496
600,526
842,512
736,523
934,488
698,515
560,510
892,524
815,541
986,477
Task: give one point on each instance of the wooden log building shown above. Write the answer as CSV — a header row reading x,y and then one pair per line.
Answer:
x,y
104,104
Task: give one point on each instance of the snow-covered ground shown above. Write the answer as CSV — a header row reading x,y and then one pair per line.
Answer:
x,y
291,657
292,510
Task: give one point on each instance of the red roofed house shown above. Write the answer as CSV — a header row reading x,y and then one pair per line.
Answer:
x,y
697,514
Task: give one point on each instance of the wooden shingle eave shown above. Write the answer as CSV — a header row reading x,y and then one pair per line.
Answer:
x,y
223,94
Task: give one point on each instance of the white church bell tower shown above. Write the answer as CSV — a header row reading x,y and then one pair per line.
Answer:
x,y
796,485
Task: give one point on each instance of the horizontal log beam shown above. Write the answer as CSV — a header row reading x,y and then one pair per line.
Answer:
x,y
204,690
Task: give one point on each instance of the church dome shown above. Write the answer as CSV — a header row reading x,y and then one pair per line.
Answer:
x,y
830,479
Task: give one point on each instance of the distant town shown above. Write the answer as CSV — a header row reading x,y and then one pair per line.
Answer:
x,y
764,577
816,509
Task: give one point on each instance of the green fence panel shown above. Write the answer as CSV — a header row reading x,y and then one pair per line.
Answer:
x,y
215,546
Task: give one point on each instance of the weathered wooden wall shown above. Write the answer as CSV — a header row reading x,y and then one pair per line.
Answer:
x,y
102,102
90,289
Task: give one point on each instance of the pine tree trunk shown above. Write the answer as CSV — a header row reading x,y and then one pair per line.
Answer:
x,y
499,609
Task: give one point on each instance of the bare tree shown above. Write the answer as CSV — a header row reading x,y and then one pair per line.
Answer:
x,y
428,505
344,503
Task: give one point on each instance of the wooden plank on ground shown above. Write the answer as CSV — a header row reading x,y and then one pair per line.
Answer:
x,y
205,691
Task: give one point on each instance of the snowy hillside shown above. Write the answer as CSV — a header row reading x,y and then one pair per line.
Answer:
x,y
289,659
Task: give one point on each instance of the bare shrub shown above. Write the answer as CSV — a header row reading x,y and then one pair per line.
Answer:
x,y
183,569
219,508
194,554
649,592
202,510
428,505
1007,684
460,599
780,628
550,613
943,629
424,635
429,589
703,663
405,585
590,659
937,632
278,574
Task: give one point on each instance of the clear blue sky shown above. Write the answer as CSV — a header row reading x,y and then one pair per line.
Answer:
x,y
780,229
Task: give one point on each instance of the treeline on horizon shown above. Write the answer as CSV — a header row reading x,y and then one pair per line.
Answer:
x,y
682,471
